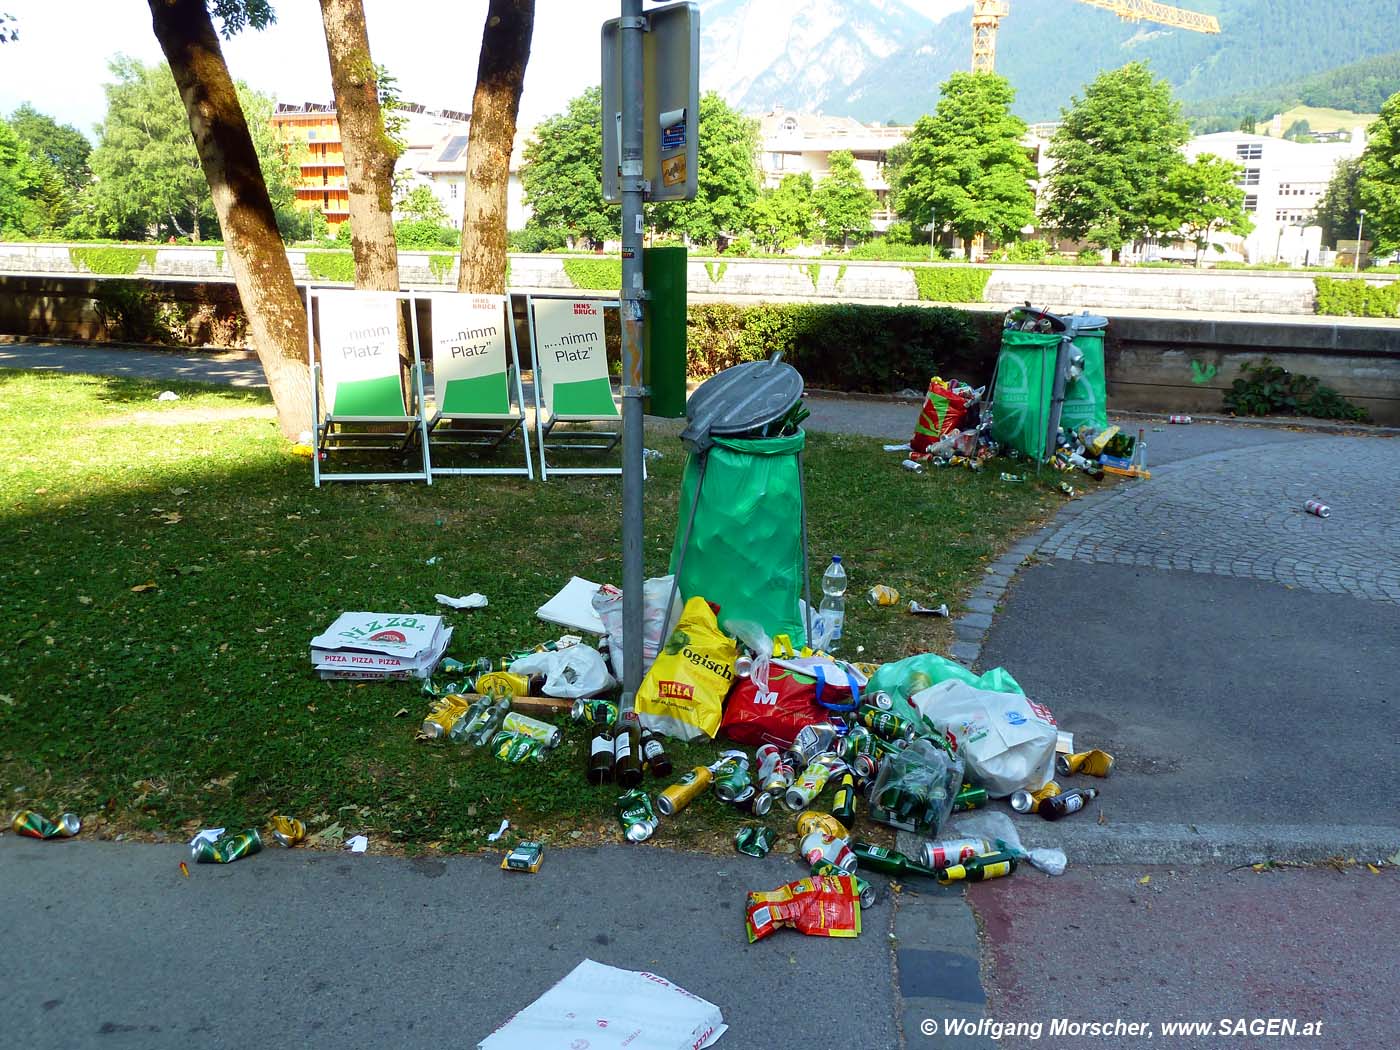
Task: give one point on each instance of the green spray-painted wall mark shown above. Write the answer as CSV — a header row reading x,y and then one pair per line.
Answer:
x,y
1202,374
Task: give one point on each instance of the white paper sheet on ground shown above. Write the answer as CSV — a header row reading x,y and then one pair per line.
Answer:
x,y
475,600
897,448
605,1008
357,844
573,607
206,835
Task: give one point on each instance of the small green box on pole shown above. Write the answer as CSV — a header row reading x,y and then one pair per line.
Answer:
x,y
663,331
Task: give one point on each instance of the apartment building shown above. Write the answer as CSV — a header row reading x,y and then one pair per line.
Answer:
x,y
314,125
442,166
797,142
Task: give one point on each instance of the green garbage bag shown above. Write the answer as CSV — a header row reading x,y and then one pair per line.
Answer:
x,y
903,678
745,550
1086,399
1021,396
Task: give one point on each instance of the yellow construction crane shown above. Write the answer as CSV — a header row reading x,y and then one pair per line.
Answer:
x,y
987,15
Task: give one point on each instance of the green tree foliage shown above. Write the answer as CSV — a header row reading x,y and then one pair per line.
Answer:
x,y
1113,154
61,145
965,167
563,173
149,180
1380,177
421,204
26,187
726,176
782,216
1340,206
841,202
1201,197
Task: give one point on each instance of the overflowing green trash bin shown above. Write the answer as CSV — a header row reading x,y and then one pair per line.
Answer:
x,y
741,535
1023,392
745,543
1086,398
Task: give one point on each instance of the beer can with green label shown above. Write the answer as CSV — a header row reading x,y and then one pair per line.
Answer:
x,y
635,814
754,840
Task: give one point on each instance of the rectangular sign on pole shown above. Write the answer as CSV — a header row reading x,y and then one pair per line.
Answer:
x,y
670,104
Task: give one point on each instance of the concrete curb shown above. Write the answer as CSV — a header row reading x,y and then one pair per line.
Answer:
x,y
1192,845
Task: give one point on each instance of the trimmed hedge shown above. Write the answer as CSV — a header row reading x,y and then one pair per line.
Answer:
x,y
1356,298
598,275
112,259
951,284
868,349
331,266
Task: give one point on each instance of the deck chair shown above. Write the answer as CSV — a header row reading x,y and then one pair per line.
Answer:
x,y
472,379
356,382
572,384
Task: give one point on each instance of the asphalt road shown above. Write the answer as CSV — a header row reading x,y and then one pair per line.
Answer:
x,y
109,946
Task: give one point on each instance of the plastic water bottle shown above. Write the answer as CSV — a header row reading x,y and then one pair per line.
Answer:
x,y
833,606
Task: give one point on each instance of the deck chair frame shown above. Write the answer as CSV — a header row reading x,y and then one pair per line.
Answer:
x,y
331,433
601,441
484,432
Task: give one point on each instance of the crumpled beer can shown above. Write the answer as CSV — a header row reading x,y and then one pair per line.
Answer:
x,y
288,831
636,815
37,826
754,840
229,848
819,846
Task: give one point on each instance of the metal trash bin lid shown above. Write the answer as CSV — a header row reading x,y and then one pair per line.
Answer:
x,y
741,399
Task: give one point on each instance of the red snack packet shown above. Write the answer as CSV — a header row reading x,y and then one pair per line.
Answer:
x,y
821,906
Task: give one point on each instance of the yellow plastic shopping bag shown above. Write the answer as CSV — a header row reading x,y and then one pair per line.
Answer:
x,y
683,692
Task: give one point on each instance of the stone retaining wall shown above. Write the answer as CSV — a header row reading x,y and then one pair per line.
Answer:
x,y
1055,287
1154,364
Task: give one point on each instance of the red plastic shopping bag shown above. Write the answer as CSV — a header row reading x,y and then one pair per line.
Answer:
x,y
943,412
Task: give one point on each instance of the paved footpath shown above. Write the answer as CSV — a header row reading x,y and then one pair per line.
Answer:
x,y
1236,655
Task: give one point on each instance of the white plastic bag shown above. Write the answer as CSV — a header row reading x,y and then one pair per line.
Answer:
x,y
656,628
1006,739
569,673
605,1008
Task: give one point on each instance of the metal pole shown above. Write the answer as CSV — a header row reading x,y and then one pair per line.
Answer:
x,y
632,186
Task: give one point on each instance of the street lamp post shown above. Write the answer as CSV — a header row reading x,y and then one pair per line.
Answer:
x,y
1356,255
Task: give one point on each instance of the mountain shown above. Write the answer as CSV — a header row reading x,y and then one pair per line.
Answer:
x,y
883,60
800,54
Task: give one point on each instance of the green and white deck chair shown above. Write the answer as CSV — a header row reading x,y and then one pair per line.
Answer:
x,y
572,384
357,394
473,379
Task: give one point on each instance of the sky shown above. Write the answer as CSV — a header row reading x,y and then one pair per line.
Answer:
x,y
59,63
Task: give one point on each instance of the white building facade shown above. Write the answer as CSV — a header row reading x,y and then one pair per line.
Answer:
x,y
438,160
792,143
1283,183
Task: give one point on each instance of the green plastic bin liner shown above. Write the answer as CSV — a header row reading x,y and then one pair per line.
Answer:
x,y
745,551
1086,399
1021,395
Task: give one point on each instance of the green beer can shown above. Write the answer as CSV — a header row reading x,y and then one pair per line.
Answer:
x,y
229,848
636,815
754,840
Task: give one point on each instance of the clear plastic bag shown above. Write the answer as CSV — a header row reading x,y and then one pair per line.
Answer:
x,y
998,829
756,640
915,787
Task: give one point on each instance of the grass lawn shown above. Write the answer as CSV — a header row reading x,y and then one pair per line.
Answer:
x,y
192,702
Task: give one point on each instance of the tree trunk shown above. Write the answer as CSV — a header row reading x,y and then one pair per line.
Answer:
x,y
276,313
500,74
369,152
